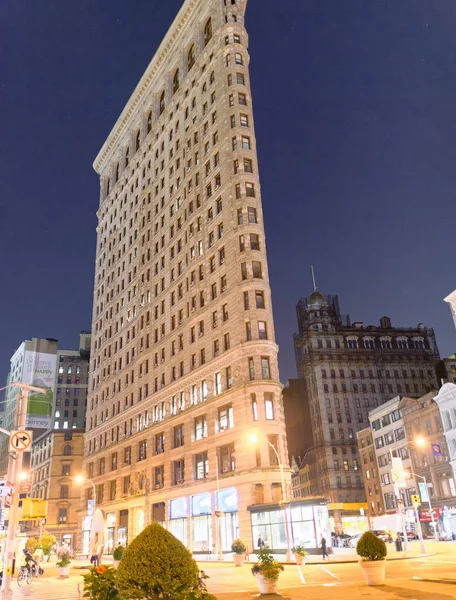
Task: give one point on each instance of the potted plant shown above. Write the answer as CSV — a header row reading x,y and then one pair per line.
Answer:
x,y
117,555
238,548
64,565
300,554
266,571
372,551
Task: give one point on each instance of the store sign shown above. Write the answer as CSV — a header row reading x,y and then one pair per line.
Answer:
x,y
425,515
178,508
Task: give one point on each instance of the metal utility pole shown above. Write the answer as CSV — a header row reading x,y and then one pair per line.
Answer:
x,y
13,477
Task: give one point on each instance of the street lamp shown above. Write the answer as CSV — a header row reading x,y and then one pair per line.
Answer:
x,y
81,479
254,440
420,442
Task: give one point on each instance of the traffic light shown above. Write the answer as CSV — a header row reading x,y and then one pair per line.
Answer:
x,y
416,501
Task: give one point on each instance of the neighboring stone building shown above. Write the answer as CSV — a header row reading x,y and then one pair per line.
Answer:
x,y
65,372
370,470
56,459
349,370
72,382
184,359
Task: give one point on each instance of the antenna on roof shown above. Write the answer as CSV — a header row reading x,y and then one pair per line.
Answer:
x,y
313,278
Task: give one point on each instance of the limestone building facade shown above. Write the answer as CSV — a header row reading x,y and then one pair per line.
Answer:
x,y
183,359
56,459
349,370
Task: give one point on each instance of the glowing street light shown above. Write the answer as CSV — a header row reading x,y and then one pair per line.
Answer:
x,y
80,479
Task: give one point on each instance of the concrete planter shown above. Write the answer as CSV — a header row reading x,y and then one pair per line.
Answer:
x,y
373,571
300,560
238,560
266,585
115,563
64,571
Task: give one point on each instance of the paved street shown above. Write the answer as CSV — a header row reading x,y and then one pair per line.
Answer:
x,y
312,581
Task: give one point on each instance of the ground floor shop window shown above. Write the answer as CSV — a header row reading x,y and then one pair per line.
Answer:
x,y
177,522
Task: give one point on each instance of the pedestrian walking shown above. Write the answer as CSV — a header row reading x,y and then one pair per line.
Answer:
x,y
260,542
94,551
324,550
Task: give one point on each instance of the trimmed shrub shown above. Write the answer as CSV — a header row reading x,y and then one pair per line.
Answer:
x,y
238,547
370,547
118,553
157,566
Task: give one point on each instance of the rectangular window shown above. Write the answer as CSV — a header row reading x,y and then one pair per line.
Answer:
x,y
229,380
227,462
112,489
250,190
262,331
251,369
245,143
201,465
257,270
159,477
178,471
254,407
252,215
244,120
200,427
269,406
265,368
218,383
273,451
225,417
65,470
178,436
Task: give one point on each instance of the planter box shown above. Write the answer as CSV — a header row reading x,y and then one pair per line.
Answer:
x,y
300,560
64,571
266,585
115,563
238,560
373,571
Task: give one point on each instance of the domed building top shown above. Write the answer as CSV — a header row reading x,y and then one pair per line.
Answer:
x,y
316,297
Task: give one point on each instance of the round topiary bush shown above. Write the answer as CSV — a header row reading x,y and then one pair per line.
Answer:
x,y
370,547
157,566
238,547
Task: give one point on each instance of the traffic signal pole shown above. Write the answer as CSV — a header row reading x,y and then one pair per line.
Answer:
x,y
13,477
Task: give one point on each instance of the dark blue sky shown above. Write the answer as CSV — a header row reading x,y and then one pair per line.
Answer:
x,y
355,106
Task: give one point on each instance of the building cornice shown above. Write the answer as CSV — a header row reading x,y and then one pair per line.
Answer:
x,y
187,10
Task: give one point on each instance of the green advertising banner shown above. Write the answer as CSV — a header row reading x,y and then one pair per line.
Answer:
x,y
39,410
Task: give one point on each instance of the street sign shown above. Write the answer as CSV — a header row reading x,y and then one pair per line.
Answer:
x,y
25,487
20,441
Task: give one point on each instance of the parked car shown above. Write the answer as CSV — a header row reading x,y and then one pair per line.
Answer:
x,y
383,535
411,535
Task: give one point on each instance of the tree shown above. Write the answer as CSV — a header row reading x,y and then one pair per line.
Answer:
x,y
157,566
46,541
32,544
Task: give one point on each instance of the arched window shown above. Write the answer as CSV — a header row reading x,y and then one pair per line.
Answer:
x,y
138,141
149,122
191,57
402,343
176,81
162,103
127,156
208,31
117,172
67,450
352,342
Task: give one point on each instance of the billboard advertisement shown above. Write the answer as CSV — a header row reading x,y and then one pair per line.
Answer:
x,y
40,370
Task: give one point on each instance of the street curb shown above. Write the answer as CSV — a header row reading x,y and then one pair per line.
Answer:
x,y
326,562
434,580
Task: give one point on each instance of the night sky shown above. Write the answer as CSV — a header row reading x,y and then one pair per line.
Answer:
x,y
355,105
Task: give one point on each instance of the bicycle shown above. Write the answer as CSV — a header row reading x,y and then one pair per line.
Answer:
x,y
24,576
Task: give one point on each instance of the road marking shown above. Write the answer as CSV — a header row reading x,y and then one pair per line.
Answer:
x,y
329,572
301,574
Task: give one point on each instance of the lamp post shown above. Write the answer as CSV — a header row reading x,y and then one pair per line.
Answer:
x,y
218,512
81,479
419,441
254,440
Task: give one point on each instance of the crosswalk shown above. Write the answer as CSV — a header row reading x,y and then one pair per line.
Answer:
x,y
51,588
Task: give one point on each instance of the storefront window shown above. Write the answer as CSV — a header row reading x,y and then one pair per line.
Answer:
x,y
177,523
270,526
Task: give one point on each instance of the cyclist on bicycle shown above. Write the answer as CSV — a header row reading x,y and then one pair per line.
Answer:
x,y
28,561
